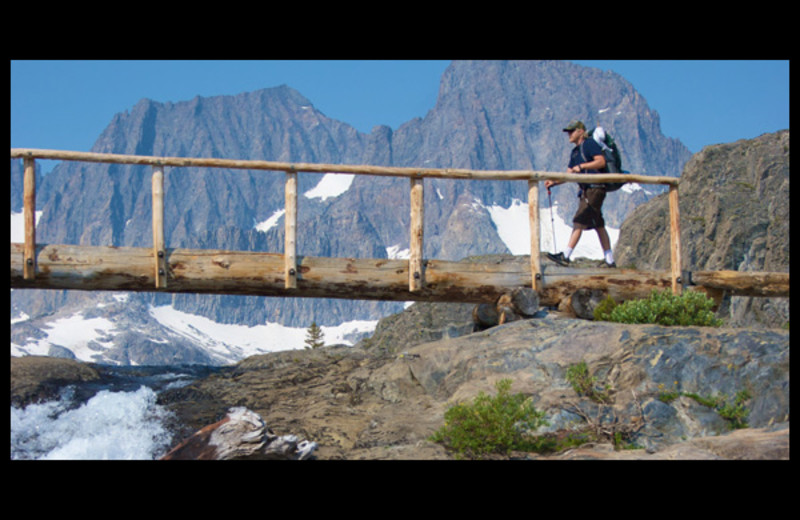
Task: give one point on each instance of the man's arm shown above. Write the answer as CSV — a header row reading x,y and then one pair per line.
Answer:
x,y
598,163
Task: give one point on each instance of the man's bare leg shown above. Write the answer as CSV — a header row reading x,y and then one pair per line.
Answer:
x,y
604,240
574,237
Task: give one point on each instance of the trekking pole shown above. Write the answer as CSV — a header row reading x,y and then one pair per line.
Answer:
x,y
552,222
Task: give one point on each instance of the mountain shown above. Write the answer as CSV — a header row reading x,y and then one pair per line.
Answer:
x,y
488,115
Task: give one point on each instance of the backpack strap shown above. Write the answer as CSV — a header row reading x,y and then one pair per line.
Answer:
x,y
584,185
583,156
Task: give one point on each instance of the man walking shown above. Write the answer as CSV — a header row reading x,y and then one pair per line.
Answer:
x,y
586,157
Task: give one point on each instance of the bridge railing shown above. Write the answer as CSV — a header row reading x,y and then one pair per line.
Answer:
x,y
291,170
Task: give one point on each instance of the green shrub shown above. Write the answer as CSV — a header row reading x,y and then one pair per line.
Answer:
x,y
735,413
491,424
604,308
691,308
585,384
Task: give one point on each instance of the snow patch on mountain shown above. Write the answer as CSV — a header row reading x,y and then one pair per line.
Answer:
x,y
91,339
224,339
513,227
271,222
395,252
332,185
18,226
78,334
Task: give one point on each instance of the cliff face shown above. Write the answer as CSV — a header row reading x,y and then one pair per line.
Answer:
x,y
734,209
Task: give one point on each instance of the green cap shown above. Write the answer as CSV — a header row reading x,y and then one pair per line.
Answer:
x,y
574,125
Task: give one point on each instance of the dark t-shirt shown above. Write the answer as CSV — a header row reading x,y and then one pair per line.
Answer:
x,y
585,153
590,150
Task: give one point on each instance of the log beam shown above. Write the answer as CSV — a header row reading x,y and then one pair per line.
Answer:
x,y
744,283
98,268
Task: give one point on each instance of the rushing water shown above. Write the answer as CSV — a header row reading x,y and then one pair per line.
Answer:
x,y
110,426
121,421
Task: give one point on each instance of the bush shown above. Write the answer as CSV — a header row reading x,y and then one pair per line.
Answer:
x,y
691,308
604,308
490,424
585,384
735,413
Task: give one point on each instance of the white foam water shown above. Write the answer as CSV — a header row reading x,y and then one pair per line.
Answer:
x,y
109,426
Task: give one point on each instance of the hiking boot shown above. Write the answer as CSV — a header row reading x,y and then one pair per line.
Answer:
x,y
612,265
560,259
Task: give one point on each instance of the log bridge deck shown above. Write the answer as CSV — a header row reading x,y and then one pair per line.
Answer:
x,y
158,268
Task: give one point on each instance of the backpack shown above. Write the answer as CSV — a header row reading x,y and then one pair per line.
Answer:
x,y
611,152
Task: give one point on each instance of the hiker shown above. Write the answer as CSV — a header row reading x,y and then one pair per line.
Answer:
x,y
586,157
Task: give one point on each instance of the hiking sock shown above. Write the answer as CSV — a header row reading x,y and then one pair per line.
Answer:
x,y
567,252
609,256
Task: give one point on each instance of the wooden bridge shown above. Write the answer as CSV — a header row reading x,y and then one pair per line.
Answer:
x,y
162,269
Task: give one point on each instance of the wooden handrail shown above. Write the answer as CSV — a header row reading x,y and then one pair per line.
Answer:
x,y
416,271
395,171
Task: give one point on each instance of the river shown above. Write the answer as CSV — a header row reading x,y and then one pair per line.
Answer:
x,y
118,418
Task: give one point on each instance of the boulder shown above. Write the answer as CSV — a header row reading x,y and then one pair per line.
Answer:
x,y
241,434
40,378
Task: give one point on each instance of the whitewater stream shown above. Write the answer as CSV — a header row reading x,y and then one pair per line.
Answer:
x,y
117,420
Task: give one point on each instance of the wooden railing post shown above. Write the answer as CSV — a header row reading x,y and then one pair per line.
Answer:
x,y
533,213
415,272
29,216
290,235
159,251
675,239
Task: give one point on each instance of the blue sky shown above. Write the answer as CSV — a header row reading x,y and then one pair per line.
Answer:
x,y
66,104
